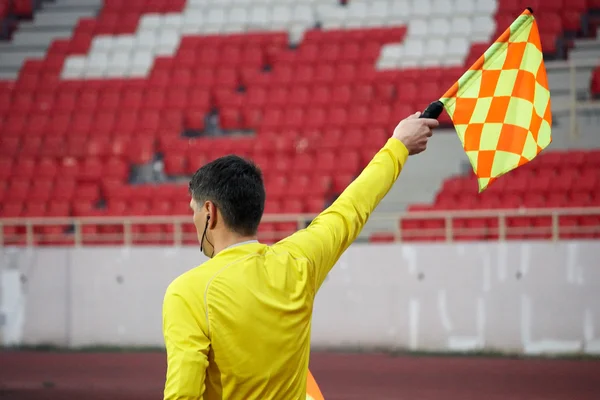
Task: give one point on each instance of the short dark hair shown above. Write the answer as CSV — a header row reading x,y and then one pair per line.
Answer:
x,y
235,185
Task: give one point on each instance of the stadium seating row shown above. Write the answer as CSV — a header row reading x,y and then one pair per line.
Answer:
x,y
284,91
301,115
90,102
553,180
23,192
78,144
83,205
561,183
93,169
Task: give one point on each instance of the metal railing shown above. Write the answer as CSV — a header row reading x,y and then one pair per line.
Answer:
x,y
447,226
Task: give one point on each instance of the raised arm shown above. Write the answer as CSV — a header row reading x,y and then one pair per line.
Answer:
x,y
330,234
187,344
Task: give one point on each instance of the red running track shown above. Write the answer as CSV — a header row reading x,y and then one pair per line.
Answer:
x,y
131,376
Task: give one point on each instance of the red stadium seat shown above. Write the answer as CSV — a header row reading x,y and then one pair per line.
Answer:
x,y
5,168
303,163
40,191
323,95
511,7
571,21
314,205
34,210
299,96
276,187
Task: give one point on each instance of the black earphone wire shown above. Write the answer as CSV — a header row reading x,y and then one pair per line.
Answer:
x,y
204,236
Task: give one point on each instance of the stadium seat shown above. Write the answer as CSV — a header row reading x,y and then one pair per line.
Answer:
x,y
559,179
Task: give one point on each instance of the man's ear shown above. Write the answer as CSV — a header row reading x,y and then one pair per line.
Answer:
x,y
211,211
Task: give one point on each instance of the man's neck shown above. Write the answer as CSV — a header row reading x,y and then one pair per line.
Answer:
x,y
233,241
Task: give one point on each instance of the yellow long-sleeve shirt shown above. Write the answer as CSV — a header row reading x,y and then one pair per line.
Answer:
x,y
238,326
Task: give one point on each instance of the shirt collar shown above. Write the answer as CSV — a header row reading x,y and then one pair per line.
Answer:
x,y
233,249
240,244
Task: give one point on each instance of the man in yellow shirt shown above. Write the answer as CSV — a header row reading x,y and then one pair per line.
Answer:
x,y
238,326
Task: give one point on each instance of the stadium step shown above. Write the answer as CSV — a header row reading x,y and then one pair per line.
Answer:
x,y
53,21
559,78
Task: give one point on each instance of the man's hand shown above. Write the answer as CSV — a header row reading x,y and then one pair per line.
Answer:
x,y
414,132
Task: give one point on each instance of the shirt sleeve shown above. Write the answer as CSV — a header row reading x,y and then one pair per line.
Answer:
x,y
332,232
187,345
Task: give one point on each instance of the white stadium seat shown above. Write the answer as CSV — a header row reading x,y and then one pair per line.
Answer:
x,y
214,19
96,65
118,64
192,22
331,16
168,41
487,7
434,51
303,14
391,51
443,8
412,54
172,20
150,22
421,8
378,12
260,16
356,12
483,28
439,27
400,12
74,67
456,50
141,63
464,7
281,16
124,43
461,27
237,19
103,43
199,3
418,28
146,40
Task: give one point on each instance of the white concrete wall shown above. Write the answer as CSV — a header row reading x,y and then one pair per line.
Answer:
x,y
519,297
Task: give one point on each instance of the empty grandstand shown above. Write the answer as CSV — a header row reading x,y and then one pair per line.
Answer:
x,y
106,107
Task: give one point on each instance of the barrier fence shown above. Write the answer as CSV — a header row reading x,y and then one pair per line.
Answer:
x,y
442,225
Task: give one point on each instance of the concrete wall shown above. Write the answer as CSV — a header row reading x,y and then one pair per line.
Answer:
x,y
522,297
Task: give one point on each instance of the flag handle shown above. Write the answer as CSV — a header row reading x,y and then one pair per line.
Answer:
x,y
433,110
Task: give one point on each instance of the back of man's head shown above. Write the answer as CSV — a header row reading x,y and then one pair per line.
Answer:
x,y
236,187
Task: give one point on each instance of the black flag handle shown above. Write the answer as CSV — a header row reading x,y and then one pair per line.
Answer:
x,y
433,110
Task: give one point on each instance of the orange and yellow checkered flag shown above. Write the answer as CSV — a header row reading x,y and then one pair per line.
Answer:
x,y
312,389
501,106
